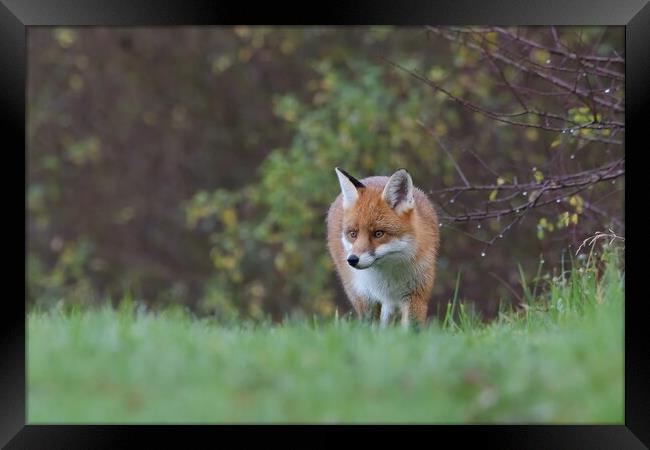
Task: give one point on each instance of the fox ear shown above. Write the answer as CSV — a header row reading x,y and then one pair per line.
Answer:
x,y
398,192
349,186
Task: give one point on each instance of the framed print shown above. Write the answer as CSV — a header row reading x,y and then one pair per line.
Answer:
x,y
368,214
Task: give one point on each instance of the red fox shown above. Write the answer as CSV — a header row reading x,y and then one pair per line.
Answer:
x,y
382,234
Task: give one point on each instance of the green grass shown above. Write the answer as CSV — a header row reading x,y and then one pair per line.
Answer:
x,y
560,360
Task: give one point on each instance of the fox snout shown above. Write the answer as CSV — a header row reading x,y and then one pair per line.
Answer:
x,y
353,260
361,261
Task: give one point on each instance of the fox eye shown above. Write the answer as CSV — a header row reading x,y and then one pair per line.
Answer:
x,y
378,233
353,233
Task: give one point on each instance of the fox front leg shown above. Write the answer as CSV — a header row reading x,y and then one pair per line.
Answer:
x,y
386,314
367,310
414,311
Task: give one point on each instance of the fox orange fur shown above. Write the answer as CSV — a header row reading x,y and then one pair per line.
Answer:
x,y
382,234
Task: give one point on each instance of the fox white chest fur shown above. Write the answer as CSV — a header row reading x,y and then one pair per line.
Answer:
x,y
391,278
383,238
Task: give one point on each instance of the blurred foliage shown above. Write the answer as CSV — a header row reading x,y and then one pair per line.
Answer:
x,y
194,166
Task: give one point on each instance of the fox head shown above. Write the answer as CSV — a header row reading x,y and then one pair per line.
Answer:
x,y
377,220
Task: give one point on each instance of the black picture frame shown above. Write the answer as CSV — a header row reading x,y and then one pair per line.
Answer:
x,y
17,15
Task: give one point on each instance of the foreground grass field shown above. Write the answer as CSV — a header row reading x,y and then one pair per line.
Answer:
x,y
558,361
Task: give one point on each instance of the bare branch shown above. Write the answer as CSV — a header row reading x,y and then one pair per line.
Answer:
x,y
504,117
585,59
607,172
559,82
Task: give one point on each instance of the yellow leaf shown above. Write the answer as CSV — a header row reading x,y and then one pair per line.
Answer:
x,y
221,63
437,73
65,37
287,46
492,36
532,134
76,82
229,218
245,54
540,56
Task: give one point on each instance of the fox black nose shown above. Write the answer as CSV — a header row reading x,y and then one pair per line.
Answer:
x,y
353,260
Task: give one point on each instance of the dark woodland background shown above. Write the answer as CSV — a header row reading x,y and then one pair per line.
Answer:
x,y
193,166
